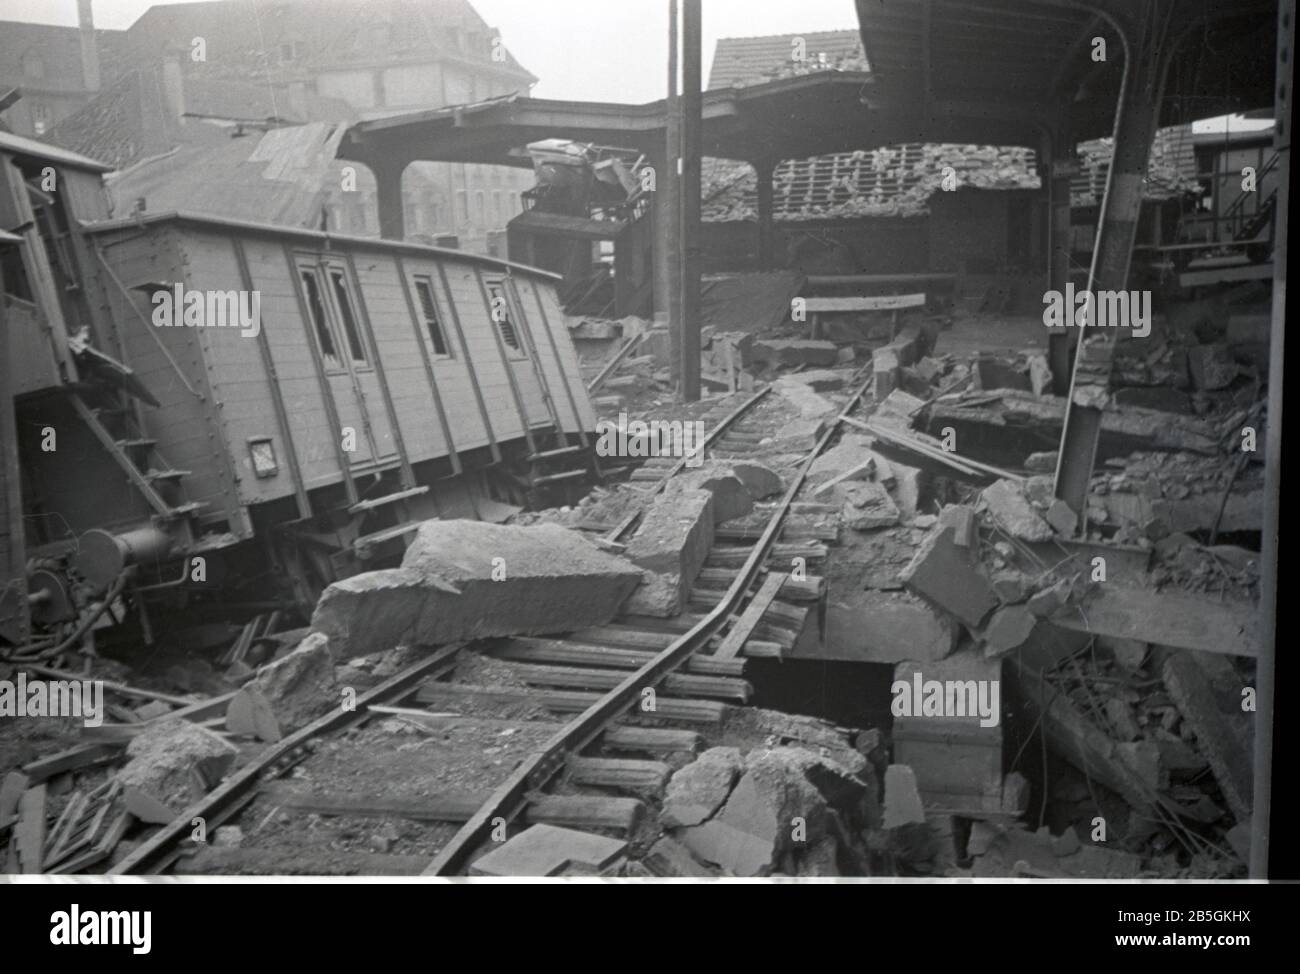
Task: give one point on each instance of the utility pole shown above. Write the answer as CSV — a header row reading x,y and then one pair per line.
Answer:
x,y
668,235
689,201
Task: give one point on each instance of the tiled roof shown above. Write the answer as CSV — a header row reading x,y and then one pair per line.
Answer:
x,y
59,50
742,61
890,181
277,177
130,120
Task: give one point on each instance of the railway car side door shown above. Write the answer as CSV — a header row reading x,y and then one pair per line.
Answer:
x,y
343,352
508,319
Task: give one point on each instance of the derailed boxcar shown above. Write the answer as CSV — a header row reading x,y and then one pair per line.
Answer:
x,y
257,410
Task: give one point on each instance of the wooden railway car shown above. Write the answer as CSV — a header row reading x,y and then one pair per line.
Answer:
x,y
254,409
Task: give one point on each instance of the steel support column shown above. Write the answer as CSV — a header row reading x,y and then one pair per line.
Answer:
x,y
766,231
388,196
668,215
1060,160
692,101
1146,57
1262,765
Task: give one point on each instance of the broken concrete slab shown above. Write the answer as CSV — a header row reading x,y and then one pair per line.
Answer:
x,y
947,576
671,545
175,762
697,790
249,714
819,380
1006,502
805,401
1223,729
760,481
469,579
1166,619
1008,628
908,487
879,627
852,453
796,436
794,351
548,850
739,852
1042,462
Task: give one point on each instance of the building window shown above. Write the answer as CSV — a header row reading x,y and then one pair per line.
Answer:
x,y
462,207
499,309
320,323
480,206
291,51
498,215
344,297
40,118
429,311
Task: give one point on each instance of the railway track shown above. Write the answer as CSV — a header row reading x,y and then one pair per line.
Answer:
x,y
636,686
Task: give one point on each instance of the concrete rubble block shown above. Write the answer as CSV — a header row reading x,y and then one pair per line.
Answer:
x,y
671,545
548,579
1062,518
1212,366
794,351
965,527
300,685
808,403
1044,462
846,355
947,576
1011,586
697,790
909,486
998,850
897,410
668,857
735,485
779,806
884,373
249,714
866,505
548,850
1040,374
902,798
174,762
1010,508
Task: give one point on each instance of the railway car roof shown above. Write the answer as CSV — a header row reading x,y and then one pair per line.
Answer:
x,y
249,228
20,146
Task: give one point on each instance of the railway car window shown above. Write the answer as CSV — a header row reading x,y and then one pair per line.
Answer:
x,y
500,311
355,345
429,309
316,307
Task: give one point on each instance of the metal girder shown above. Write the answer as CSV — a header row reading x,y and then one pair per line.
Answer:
x,y
1145,34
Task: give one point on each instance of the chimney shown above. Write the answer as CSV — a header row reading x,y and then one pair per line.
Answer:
x,y
173,85
89,49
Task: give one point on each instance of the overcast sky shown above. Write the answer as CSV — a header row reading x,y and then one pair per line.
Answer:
x,y
599,50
